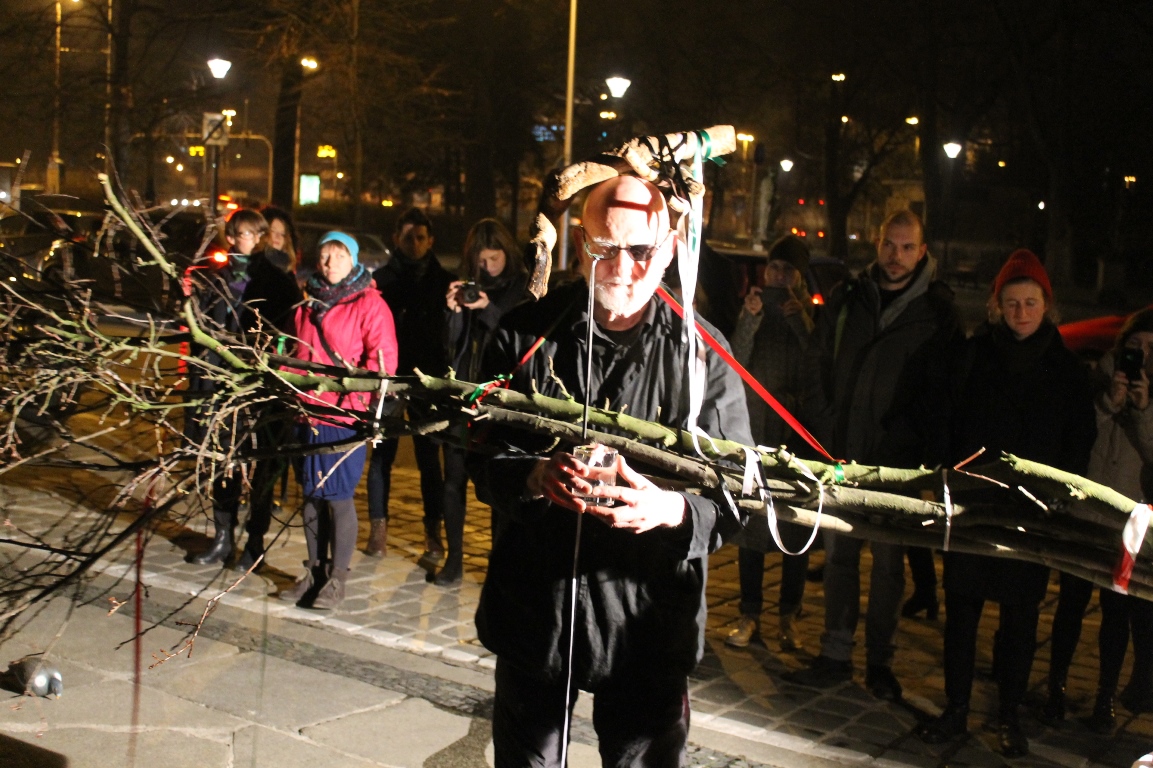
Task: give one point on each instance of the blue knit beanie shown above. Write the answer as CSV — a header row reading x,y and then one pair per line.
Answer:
x,y
348,241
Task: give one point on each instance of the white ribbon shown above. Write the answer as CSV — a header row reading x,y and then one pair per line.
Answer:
x,y
753,481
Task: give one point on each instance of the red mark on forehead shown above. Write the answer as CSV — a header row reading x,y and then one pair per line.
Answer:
x,y
644,207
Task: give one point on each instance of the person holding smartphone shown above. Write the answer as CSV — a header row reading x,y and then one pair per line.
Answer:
x,y
1122,459
770,340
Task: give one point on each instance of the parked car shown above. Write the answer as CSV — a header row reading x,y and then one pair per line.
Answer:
x,y
1093,337
50,236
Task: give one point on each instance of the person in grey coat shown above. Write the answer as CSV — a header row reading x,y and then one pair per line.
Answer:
x,y
876,347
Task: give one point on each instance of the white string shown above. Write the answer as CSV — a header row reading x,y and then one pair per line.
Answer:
x,y
948,507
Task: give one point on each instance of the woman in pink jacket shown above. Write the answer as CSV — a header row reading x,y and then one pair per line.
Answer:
x,y
344,322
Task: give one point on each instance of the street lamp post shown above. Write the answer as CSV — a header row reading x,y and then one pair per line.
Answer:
x,y
745,139
219,68
52,181
952,151
568,103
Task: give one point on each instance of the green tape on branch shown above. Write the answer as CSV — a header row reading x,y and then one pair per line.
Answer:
x,y
280,344
839,472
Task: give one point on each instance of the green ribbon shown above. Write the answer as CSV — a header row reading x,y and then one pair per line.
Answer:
x,y
839,472
280,344
483,388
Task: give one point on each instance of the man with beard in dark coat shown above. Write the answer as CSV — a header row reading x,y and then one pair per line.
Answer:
x,y
874,351
413,284
640,606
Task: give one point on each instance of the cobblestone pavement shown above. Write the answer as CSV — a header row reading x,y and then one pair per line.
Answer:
x,y
743,712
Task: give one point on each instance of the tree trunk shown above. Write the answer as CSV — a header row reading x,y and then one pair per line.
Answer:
x,y
284,139
480,182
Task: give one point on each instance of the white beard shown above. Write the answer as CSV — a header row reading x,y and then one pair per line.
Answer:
x,y
621,297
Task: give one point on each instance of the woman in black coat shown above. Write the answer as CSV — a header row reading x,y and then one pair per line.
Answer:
x,y
1017,389
494,282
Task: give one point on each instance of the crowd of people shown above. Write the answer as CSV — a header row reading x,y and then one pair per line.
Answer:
x,y
882,373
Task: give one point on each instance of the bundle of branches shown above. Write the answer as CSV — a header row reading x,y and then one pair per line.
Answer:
x,y
77,380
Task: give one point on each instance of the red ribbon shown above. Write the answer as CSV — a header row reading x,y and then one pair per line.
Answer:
x,y
749,379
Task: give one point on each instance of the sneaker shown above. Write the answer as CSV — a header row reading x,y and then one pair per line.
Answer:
x,y
950,724
747,629
823,673
882,683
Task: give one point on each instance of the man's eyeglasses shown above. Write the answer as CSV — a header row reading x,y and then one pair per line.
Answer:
x,y
599,249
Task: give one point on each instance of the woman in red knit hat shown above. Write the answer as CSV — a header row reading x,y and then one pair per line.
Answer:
x,y
1015,388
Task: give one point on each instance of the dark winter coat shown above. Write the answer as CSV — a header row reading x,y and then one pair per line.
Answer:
x,y
271,291
641,606
470,329
1031,398
866,365
415,292
772,348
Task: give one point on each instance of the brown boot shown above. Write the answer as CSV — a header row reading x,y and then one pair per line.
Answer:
x,y
331,594
303,584
377,538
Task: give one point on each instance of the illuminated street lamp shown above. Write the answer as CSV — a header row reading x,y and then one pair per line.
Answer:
x,y
618,86
219,67
952,149
839,77
309,63
912,120
786,165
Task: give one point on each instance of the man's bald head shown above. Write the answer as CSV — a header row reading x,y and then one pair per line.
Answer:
x,y
625,196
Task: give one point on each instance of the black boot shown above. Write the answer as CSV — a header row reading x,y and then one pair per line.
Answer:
x,y
1011,735
951,723
1054,710
921,602
1104,719
220,550
452,572
248,557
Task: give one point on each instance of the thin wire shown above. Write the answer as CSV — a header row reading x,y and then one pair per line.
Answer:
x,y
575,583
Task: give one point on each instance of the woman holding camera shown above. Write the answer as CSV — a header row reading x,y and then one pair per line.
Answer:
x,y
1016,389
1122,459
495,279
770,340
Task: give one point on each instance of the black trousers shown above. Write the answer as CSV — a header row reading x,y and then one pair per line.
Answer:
x,y
641,723
1016,645
1071,605
427,453
1120,613
924,571
751,570
455,500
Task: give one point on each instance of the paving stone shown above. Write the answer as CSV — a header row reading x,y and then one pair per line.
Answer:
x,y
93,748
405,733
108,706
261,747
274,692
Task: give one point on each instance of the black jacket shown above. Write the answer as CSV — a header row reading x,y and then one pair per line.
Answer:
x,y
271,291
415,292
470,330
1031,398
641,608
867,363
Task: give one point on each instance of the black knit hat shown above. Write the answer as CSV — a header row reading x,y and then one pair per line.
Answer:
x,y
792,250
